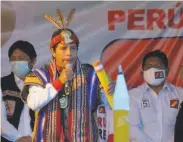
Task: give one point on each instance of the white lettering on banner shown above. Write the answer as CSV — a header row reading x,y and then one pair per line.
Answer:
x,y
104,22
154,16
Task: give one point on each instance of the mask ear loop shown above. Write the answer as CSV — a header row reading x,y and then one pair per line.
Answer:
x,y
31,63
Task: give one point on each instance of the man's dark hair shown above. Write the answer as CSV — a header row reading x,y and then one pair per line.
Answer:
x,y
57,32
25,47
156,53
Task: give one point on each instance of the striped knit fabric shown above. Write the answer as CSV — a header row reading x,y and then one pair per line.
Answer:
x,y
83,102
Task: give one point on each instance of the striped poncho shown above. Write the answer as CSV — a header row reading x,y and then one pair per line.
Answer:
x,y
83,102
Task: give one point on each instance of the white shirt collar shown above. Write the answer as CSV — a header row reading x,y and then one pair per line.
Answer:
x,y
19,82
165,87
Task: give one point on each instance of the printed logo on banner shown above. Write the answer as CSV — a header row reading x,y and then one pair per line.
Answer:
x,y
145,103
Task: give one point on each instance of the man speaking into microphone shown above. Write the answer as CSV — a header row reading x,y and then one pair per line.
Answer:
x,y
64,94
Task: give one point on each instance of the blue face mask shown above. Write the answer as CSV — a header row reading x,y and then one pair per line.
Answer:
x,y
20,68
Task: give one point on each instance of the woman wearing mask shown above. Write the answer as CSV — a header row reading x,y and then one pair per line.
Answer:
x,y
155,103
22,57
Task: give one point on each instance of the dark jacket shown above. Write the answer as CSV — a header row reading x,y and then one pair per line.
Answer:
x,y
179,126
8,83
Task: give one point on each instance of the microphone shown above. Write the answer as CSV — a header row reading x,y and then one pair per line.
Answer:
x,y
68,82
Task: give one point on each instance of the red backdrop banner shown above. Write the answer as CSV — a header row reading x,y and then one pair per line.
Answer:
x,y
129,53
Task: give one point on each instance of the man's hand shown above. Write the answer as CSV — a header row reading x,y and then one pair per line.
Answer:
x,y
111,87
24,139
66,75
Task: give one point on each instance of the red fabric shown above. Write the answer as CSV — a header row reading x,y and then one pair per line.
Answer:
x,y
57,84
53,124
56,40
69,122
110,138
129,53
59,132
60,39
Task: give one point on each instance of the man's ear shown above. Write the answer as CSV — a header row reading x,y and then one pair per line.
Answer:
x,y
53,52
167,71
32,63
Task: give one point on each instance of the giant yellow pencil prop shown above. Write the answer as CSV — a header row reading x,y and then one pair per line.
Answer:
x,y
121,109
104,80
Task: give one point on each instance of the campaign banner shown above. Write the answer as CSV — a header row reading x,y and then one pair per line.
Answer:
x,y
140,26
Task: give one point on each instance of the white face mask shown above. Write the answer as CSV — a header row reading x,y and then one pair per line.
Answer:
x,y
154,76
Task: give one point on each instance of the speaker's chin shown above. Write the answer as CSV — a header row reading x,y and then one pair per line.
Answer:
x,y
8,19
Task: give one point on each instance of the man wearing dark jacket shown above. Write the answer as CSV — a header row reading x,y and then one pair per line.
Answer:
x,y
179,122
22,57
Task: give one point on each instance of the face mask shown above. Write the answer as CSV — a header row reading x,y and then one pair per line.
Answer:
x,y
154,76
20,68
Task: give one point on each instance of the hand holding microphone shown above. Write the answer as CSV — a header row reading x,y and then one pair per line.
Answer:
x,y
66,74
66,78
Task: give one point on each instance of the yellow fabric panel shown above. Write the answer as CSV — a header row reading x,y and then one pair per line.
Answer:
x,y
32,78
